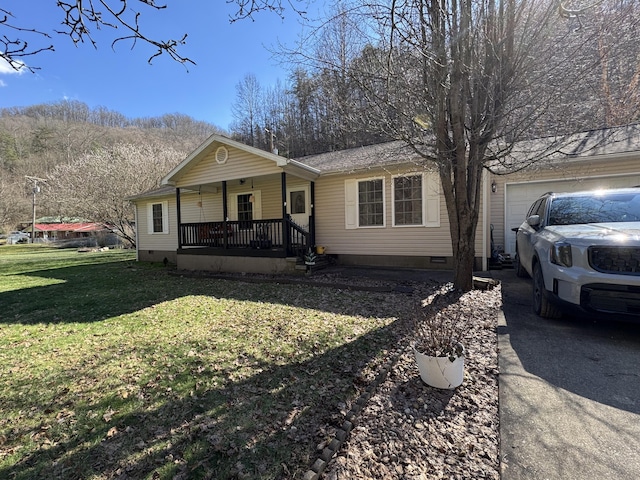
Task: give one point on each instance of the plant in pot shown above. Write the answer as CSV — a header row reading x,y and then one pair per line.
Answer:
x,y
310,257
441,325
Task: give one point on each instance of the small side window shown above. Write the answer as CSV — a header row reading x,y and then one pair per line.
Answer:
x,y
157,217
534,208
541,210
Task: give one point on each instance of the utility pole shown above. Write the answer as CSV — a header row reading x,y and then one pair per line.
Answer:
x,y
36,189
271,136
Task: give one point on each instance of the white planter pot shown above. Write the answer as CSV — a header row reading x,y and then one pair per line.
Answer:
x,y
440,372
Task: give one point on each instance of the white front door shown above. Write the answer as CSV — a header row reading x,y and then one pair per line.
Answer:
x,y
299,205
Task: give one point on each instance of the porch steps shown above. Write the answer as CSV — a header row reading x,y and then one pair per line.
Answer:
x,y
321,261
502,260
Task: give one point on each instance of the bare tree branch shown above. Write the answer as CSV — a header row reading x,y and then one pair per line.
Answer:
x,y
81,16
14,49
575,12
248,8
80,21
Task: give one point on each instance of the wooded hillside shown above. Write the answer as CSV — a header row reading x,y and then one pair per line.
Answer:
x,y
50,140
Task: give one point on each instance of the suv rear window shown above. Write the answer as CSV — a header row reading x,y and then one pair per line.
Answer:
x,y
605,208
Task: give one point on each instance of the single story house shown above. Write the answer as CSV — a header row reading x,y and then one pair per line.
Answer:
x,y
52,231
234,208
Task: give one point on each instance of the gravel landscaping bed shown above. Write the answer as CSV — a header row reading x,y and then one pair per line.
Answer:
x,y
408,430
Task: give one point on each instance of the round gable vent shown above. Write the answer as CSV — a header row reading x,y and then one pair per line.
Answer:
x,y
222,154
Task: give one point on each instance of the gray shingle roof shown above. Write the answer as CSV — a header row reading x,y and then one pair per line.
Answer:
x,y
610,141
615,141
606,141
156,192
360,158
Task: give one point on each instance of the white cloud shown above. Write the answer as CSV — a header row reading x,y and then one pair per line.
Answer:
x,y
7,68
2,84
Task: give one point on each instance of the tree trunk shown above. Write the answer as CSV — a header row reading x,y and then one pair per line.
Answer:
x,y
464,260
461,186
463,236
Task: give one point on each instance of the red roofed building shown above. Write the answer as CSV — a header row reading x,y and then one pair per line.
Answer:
x,y
66,231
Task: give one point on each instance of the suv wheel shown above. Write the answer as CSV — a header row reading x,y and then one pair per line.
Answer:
x,y
541,304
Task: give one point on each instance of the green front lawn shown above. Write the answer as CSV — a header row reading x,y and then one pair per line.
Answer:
x,y
114,369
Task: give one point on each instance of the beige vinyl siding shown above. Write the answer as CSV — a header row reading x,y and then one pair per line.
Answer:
x,y
332,233
576,170
157,241
203,207
270,194
496,211
240,164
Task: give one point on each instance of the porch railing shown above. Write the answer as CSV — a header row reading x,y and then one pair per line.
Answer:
x,y
257,234
299,239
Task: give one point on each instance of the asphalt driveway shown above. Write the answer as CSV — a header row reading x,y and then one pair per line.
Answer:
x,y
569,393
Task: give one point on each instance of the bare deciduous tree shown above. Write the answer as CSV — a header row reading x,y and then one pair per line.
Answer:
x,y
460,81
96,186
618,31
34,140
13,202
247,109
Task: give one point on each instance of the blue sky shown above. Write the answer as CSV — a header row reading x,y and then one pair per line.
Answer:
x,y
121,79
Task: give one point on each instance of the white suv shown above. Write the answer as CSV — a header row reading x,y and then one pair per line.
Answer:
x,y
583,250
17,237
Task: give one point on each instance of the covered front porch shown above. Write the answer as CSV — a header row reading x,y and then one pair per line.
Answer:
x,y
235,203
280,237
241,229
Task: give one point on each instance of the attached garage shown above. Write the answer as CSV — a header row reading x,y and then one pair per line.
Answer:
x,y
520,195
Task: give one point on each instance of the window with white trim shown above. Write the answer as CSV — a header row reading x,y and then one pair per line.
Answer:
x,y
415,201
408,205
158,218
371,203
245,210
364,203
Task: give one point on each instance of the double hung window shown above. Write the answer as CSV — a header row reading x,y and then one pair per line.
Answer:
x,y
245,210
415,201
408,200
371,203
158,214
